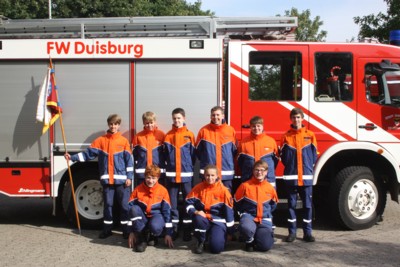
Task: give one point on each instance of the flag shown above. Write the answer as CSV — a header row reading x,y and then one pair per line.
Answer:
x,y
48,109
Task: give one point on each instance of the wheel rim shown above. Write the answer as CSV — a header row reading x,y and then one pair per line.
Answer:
x,y
89,197
363,199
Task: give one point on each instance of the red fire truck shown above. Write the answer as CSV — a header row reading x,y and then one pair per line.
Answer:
x,y
349,92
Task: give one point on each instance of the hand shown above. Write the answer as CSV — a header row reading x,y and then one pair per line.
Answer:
x,y
201,213
168,241
128,182
131,240
67,156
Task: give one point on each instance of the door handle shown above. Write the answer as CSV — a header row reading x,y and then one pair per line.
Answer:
x,y
368,126
247,126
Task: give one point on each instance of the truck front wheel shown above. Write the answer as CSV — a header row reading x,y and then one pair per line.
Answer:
x,y
357,198
89,199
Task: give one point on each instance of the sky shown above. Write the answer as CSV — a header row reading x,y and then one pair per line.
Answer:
x,y
336,15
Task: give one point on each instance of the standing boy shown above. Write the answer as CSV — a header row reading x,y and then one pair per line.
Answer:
x,y
147,148
298,155
179,153
216,144
257,146
115,169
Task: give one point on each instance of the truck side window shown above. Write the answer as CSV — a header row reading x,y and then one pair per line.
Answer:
x,y
333,77
382,87
275,76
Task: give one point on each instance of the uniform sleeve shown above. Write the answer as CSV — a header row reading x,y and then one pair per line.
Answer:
x,y
283,153
166,213
315,151
89,154
238,197
193,149
229,217
198,144
275,156
190,203
128,158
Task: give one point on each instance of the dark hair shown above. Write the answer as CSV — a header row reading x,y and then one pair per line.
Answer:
x,y
217,108
256,120
296,111
179,111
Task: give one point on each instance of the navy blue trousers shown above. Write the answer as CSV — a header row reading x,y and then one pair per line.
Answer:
x,y
122,193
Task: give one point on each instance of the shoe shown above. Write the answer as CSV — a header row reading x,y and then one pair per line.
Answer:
x,y
290,238
250,247
187,235
141,247
105,234
200,248
152,241
125,235
309,238
141,239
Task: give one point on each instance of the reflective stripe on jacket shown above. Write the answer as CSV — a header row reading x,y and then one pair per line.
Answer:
x,y
298,155
114,158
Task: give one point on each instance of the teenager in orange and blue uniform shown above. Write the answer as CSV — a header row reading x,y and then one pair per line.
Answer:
x,y
255,200
210,205
179,154
216,144
148,149
298,155
150,211
115,169
257,146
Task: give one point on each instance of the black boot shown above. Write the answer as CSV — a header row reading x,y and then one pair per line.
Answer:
x,y
200,248
153,240
187,234
141,242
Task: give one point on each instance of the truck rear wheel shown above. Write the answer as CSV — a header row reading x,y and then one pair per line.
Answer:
x,y
357,198
89,199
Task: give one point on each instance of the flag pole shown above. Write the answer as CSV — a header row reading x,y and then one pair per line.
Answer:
x,y
65,149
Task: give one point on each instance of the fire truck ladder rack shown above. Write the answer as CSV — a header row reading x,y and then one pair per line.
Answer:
x,y
272,28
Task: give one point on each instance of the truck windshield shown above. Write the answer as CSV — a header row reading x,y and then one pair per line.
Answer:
x,y
382,88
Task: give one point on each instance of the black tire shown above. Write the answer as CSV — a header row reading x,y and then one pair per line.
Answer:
x,y
89,199
357,183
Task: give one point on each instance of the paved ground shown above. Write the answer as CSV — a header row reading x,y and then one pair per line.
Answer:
x,y
31,236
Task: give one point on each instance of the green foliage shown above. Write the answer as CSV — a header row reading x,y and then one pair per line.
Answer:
x,y
265,82
308,29
379,26
38,9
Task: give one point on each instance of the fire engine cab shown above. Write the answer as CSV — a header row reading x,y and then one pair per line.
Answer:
x,y
350,93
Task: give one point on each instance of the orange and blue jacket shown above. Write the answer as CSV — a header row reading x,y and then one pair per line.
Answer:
x,y
216,144
254,148
179,153
148,150
215,200
114,158
258,199
298,155
153,200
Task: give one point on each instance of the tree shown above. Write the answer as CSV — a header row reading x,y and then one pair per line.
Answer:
x,y
38,9
379,26
307,29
